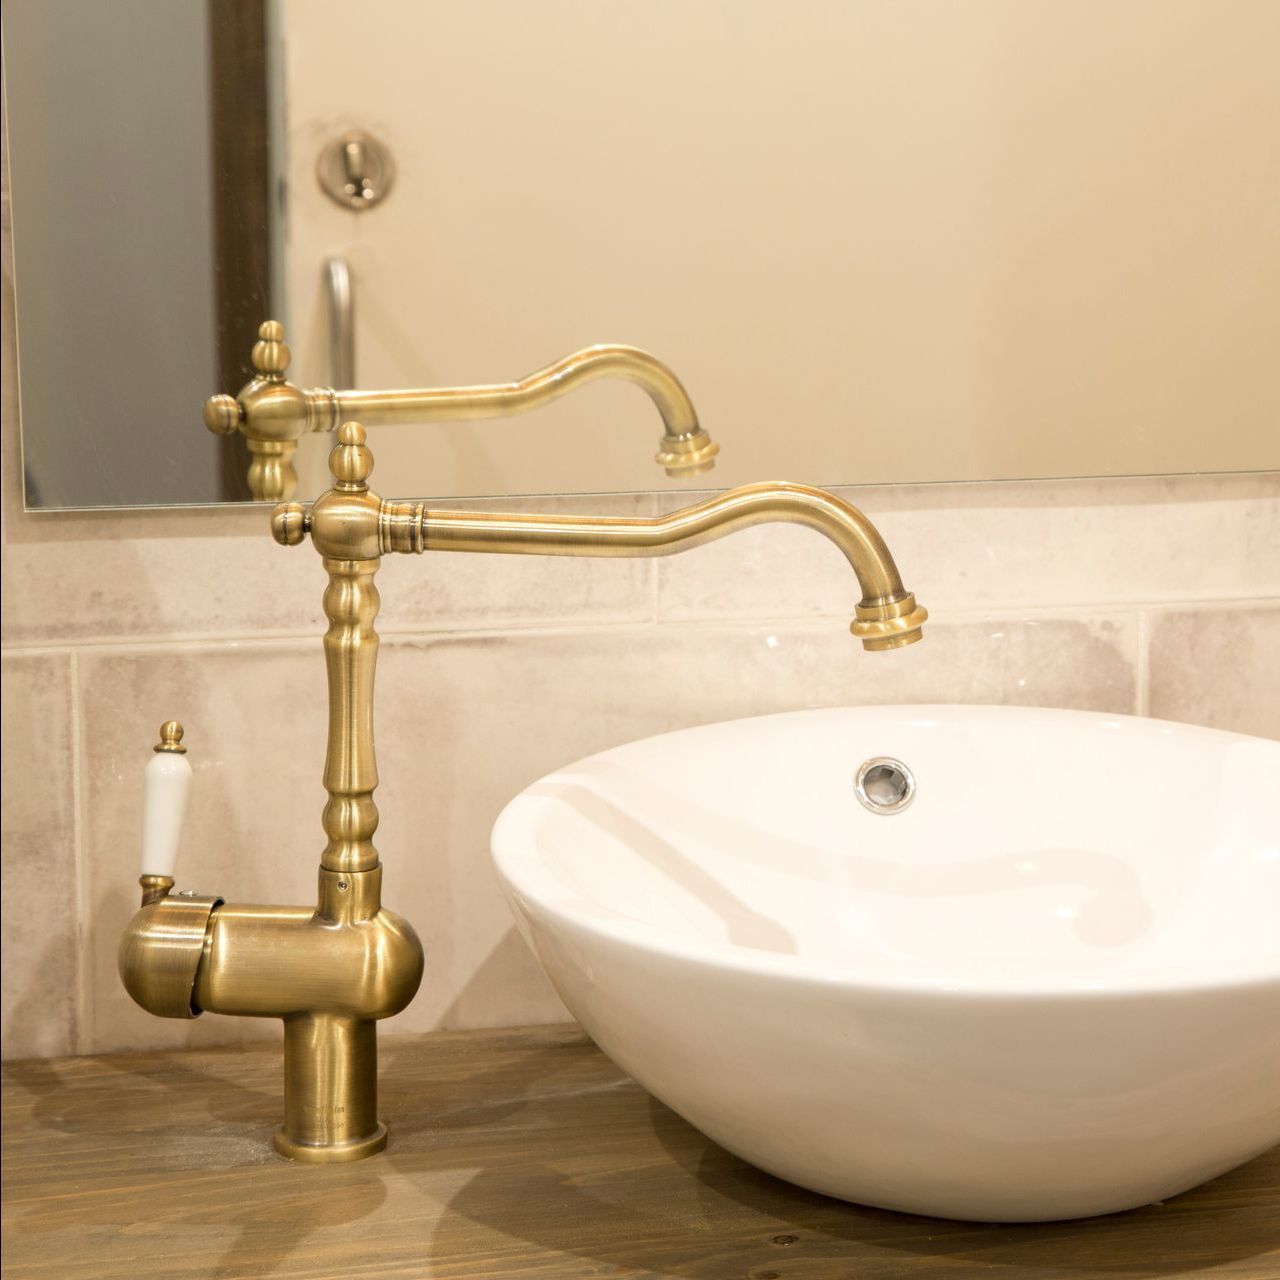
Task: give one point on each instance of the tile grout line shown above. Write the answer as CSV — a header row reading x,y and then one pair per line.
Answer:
x,y
80,1005
642,621
1142,671
1003,611
245,643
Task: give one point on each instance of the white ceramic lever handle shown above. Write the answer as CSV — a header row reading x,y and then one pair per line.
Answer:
x,y
164,801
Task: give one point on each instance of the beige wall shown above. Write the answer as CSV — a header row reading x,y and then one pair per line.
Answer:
x,y
878,239
1153,596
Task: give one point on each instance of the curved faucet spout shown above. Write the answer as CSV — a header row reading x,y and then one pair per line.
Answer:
x,y
887,617
272,413
686,448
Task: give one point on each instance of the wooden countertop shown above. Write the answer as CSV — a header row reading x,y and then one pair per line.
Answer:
x,y
514,1153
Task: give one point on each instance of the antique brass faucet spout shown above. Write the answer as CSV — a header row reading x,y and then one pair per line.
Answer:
x,y
350,524
887,617
272,413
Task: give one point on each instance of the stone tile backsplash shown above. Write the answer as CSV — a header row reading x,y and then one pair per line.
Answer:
x,y
1217,665
39,896
527,664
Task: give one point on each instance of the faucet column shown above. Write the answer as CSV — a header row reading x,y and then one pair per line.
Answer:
x,y
344,526
350,818
331,1059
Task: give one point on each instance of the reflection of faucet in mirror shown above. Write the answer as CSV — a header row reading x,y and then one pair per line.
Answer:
x,y
272,413
330,971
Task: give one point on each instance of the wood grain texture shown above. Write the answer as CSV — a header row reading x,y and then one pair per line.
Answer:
x,y
524,1153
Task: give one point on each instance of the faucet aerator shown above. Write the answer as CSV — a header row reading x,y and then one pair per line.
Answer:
x,y
687,455
893,642
683,473
891,625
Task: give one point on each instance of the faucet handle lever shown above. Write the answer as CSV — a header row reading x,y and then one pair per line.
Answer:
x,y
167,779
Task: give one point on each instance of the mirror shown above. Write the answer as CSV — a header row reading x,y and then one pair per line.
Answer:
x,y
877,242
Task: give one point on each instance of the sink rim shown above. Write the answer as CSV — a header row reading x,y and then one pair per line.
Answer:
x,y
527,878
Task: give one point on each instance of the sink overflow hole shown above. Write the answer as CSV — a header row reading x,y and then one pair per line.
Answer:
x,y
884,785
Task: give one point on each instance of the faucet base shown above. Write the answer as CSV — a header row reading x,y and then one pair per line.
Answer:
x,y
330,1090
337,1153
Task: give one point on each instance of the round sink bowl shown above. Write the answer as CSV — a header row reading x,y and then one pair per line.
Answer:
x,y
988,963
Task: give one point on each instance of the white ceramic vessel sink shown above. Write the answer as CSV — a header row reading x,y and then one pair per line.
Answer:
x,y
1048,987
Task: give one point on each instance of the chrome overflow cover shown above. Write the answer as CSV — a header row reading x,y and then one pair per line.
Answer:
x,y
884,785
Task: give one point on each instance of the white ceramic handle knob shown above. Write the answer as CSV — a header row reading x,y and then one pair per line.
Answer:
x,y
164,801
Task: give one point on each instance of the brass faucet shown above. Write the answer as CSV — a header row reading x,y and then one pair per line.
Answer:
x,y
272,413
331,971
328,971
